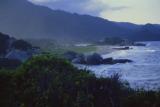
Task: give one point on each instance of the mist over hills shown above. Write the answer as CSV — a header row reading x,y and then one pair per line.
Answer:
x,y
22,19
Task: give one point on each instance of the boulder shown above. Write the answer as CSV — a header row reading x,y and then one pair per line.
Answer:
x,y
18,55
139,44
122,61
123,48
80,59
70,55
94,59
108,61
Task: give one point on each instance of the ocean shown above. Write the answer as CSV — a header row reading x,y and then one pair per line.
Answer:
x,y
143,72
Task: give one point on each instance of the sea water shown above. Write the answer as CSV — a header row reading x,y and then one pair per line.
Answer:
x,y
143,72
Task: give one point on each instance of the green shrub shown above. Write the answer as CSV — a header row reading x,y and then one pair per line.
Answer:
x,y
47,81
9,63
143,98
6,88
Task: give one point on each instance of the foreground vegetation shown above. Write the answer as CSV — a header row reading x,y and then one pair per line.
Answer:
x,y
48,81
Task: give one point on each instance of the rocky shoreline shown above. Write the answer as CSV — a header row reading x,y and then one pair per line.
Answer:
x,y
92,59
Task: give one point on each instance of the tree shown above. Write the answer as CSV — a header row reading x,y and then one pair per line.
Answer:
x,y
3,43
21,45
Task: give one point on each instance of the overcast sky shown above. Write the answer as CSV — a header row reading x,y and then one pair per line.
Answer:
x,y
136,11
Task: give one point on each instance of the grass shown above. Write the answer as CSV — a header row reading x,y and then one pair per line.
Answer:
x,y
81,49
78,49
52,46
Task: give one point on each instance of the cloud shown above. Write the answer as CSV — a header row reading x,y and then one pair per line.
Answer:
x,y
92,7
137,11
41,1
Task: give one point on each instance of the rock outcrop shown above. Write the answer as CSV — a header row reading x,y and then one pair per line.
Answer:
x,y
92,59
80,59
70,55
18,55
13,51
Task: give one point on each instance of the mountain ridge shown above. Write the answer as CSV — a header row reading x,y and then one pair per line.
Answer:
x,y
22,19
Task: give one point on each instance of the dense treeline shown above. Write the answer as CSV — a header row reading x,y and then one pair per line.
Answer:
x,y
21,45
3,43
47,81
13,51
8,43
115,41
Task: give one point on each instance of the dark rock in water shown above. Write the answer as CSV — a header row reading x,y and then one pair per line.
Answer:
x,y
139,44
77,61
122,61
94,59
123,48
70,55
115,61
108,61
74,57
9,63
80,59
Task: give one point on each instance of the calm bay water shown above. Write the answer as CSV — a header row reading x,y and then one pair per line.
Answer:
x,y
144,72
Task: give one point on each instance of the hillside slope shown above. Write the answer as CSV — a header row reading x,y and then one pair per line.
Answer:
x,y
23,19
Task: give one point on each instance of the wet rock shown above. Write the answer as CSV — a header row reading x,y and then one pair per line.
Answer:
x,y
139,44
19,55
94,59
122,61
108,61
70,55
80,59
123,48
